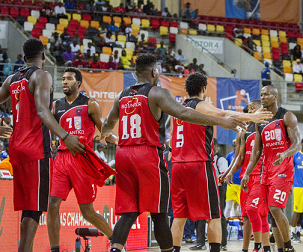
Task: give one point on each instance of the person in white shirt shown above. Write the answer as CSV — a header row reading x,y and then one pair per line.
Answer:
x,y
91,48
297,67
100,153
60,11
180,57
75,47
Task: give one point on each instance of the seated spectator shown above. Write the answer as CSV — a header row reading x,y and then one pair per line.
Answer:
x,y
180,57
94,64
165,67
147,7
142,40
162,50
139,9
69,5
91,6
151,47
194,65
88,56
297,67
5,163
111,65
75,47
109,41
68,55
105,6
129,7
171,61
89,47
238,32
124,61
46,11
100,153
188,70
65,38
116,57
140,49
60,11
76,38
19,63
297,52
251,44
265,74
98,40
120,8
166,13
7,68
112,27
201,69
179,69
79,62
186,12
55,47
153,11
122,28
103,29
170,51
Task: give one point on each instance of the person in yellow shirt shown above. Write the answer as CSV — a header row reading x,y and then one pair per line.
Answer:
x,y
5,163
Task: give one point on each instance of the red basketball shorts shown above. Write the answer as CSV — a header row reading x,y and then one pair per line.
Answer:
x,y
194,191
142,181
67,175
31,185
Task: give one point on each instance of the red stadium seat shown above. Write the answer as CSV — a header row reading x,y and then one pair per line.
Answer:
x,y
14,12
299,86
39,26
284,50
39,3
17,2
155,23
42,20
172,37
299,35
290,34
7,2
4,11
36,33
86,17
74,22
81,7
28,3
150,40
81,30
275,50
24,12
276,56
164,23
174,24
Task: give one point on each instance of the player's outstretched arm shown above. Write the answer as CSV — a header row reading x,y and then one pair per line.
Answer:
x,y
95,113
257,117
254,159
111,119
42,82
291,123
164,99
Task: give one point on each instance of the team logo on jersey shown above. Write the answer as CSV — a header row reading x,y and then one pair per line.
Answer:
x,y
277,124
179,122
78,111
131,106
278,134
77,122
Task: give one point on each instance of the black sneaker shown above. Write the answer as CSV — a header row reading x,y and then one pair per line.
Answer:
x,y
223,248
292,249
298,234
198,247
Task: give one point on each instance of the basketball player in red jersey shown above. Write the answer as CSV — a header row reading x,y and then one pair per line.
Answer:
x,y
279,140
30,144
142,176
254,209
194,184
78,115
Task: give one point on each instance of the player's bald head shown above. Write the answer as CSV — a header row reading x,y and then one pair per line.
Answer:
x,y
271,89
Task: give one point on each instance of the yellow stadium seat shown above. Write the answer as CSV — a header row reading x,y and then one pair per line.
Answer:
x,y
282,34
256,31
127,20
266,55
81,48
163,30
300,40
63,22
210,28
44,40
283,40
135,27
220,28
117,24
264,38
135,33
287,70
77,16
266,49
145,23
246,30
274,44
117,20
183,31
32,19
238,42
129,53
297,78
257,42
107,19
274,39
159,45
191,32
122,38
69,16
94,24
286,63
84,23
60,27
257,55
113,37
265,43
106,50
264,32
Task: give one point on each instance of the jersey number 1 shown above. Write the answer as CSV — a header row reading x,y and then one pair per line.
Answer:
x,y
135,128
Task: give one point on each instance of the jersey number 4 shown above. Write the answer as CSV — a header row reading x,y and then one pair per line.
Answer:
x,y
133,126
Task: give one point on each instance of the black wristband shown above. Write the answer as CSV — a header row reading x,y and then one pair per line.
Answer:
x,y
64,138
169,149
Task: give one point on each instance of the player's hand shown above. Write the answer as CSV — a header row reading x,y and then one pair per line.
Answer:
x,y
221,178
5,132
229,178
280,159
244,182
73,144
232,124
260,115
169,155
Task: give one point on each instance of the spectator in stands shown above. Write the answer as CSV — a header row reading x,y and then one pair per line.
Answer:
x,y
68,55
186,12
69,5
179,69
46,11
111,65
116,57
112,27
55,42
98,40
142,41
171,62
265,75
3,58
100,153
79,63
235,75
194,65
180,57
65,38
153,11
91,6
297,67
60,11
88,56
140,48
162,50
201,69
103,29
297,52
146,8
120,8
124,61
238,32
122,28
7,68
129,36
89,47
188,70
19,63
76,38
251,45
166,13
75,47
109,41
151,47
170,51
94,64
139,10
129,7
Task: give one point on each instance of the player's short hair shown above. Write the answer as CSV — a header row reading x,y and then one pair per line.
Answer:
x,y
32,48
145,61
245,110
194,83
215,141
76,71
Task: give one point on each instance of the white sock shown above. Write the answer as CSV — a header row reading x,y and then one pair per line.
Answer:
x,y
293,229
298,228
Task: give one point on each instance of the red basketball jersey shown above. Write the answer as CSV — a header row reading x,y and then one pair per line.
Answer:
x,y
275,140
74,118
137,125
191,142
250,135
31,140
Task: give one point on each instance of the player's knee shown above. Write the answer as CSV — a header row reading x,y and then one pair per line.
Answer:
x,y
35,215
54,204
265,225
88,214
255,219
275,211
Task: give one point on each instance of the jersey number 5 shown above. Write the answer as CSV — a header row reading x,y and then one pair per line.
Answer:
x,y
133,127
